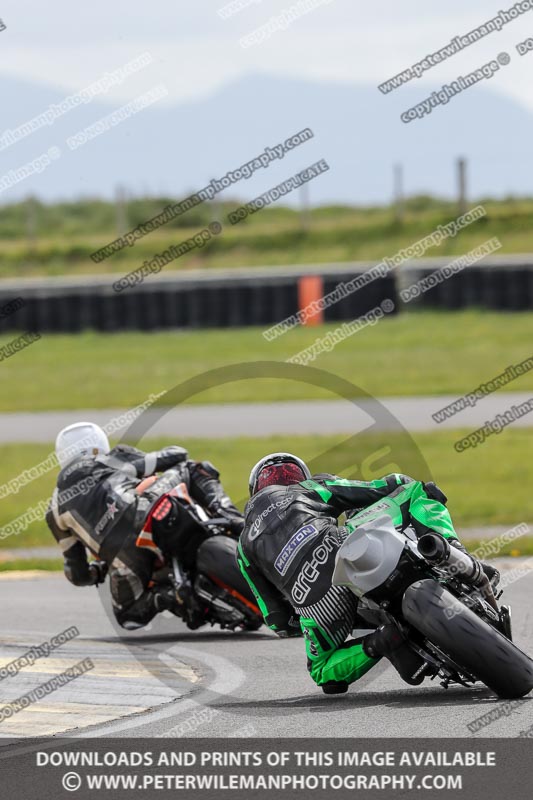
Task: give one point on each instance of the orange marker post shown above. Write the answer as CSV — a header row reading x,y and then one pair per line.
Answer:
x,y
310,292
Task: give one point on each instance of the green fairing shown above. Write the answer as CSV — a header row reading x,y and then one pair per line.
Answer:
x,y
378,484
422,509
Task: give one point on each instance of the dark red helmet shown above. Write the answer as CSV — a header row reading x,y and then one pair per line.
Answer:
x,y
279,469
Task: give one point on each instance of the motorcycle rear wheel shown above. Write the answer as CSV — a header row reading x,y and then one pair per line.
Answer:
x,y
468,640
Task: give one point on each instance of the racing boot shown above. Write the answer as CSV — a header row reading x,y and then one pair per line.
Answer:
x,y
334,687
195,613
390,642
167,599
182,602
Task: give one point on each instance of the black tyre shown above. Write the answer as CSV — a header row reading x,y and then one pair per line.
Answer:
x,y
217,558
467,639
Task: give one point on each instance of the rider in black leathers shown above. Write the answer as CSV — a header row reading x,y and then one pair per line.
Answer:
x,y
97,506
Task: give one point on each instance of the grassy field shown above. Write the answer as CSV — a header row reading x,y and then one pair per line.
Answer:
x,y
490,485
66,235
30,564
417,353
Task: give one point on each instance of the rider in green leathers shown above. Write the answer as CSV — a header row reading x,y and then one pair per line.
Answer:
x,y
287,554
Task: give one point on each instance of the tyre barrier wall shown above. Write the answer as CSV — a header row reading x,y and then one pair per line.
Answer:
x,y
257,297
179,303
500,289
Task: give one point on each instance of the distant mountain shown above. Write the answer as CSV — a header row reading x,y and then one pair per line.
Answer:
x,y
357,130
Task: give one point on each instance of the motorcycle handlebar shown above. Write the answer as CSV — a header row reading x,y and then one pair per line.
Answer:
x,y
216,522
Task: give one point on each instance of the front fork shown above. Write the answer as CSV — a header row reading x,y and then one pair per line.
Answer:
x,y
176,575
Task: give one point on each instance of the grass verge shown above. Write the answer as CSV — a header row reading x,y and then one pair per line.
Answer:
x,y
419,353
490,485
27,564
67,234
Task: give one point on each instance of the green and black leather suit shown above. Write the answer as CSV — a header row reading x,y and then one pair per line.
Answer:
x,y
287,554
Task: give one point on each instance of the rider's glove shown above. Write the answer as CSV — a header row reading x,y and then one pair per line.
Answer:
x,y
233,518
459,546
491,572
98,571
433,491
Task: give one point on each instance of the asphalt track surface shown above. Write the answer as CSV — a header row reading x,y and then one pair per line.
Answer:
x,y
296,418
167,681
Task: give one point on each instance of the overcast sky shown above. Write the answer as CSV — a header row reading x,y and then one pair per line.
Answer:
x,y
68,44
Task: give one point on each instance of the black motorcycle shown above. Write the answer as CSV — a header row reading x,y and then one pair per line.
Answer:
x,y
442,600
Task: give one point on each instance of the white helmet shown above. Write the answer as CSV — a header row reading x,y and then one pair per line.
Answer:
x,y
82,438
